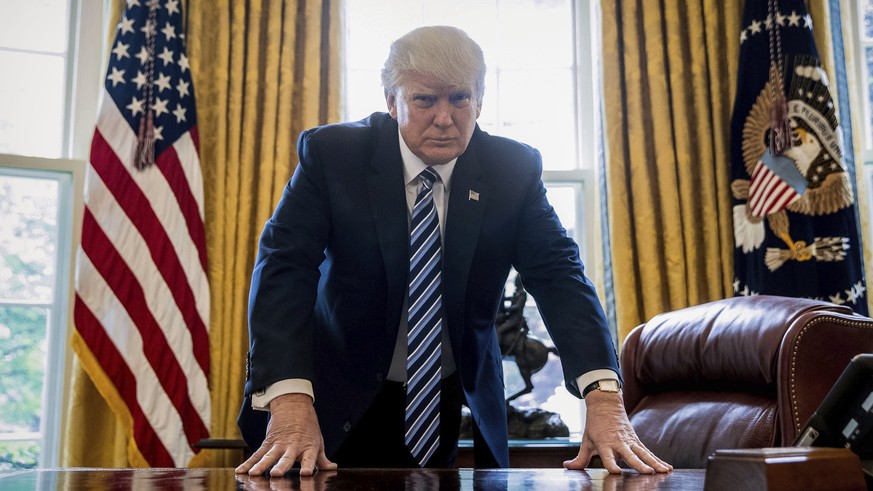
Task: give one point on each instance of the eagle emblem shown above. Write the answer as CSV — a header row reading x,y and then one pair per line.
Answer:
x,y
808,178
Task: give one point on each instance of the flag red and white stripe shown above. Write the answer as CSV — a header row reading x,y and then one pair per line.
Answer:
x,y
768,193
142,294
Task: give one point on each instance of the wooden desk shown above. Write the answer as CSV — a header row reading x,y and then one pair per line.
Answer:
x,y
352,479
547,453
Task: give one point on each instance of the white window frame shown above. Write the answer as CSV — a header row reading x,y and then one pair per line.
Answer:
x,y
584,178
857,45
69,175
83,70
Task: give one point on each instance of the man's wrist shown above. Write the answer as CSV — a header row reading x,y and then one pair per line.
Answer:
x,y
262,398
290,399
605,385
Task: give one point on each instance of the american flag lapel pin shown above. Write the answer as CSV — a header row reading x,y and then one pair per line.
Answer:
x,y
474,196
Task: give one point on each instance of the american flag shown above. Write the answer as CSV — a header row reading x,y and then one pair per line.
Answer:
x,y
142,296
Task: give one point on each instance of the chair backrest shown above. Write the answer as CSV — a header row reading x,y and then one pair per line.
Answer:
x,y
744,372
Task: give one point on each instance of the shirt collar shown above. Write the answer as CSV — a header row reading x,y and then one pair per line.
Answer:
x,y
412,165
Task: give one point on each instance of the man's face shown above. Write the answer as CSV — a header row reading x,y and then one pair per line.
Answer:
x,y
436,120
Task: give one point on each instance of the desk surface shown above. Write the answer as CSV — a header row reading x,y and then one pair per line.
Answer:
x,y
354,479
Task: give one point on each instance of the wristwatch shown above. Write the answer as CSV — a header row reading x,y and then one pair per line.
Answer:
x,y
605,385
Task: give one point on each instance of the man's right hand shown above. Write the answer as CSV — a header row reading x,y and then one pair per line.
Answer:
x,y
293,435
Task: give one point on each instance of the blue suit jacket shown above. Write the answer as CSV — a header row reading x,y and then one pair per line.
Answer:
x,y
329,282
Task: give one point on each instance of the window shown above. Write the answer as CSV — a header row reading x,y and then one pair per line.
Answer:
x,y
540,90
859,29
863,20
35,262
40,202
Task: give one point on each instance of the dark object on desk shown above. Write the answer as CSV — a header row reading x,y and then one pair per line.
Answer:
x,y
744,372
784,469
845,417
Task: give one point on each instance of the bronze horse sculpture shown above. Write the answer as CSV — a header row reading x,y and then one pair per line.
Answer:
x,y
529,352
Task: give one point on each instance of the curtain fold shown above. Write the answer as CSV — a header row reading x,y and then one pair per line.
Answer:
x,y
263,71
669,75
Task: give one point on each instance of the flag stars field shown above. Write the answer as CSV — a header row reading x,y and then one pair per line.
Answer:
x,y
182,87
179,112
135,106
183,63
140,79
169,31
143,55
163,82
126,25
117,76
148,28
120,50
792,20
160,107
166,56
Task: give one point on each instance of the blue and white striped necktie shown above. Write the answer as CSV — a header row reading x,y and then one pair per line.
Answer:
x,y
424,327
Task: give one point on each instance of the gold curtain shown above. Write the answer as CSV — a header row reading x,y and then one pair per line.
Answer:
x,y
263,71
670,76
669,71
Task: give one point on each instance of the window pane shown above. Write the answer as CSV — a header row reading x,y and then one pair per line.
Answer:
x,y
374,26
23,352
39,25
868,109
16,455
31,104
563,200
28,238
365,94
537,107
536,34
472,17
868,20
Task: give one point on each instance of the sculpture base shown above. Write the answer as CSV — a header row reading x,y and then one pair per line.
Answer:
x,y
527,423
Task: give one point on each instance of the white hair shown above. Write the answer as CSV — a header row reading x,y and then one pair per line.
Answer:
x,y
445,53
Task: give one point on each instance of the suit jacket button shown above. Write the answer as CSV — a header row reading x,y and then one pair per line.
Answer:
x,y
378,377
347,427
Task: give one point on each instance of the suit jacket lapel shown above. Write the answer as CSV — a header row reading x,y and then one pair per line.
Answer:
x,y
466,210
388,205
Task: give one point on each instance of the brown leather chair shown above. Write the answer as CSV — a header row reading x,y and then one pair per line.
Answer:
x,y
743,372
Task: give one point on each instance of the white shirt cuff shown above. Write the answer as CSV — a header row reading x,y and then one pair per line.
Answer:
x,y
261,399
589,378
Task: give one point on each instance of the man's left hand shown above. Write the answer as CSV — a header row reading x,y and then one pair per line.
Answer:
x,y
608,433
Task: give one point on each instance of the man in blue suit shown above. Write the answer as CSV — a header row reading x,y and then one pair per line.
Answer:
x,y
333,308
